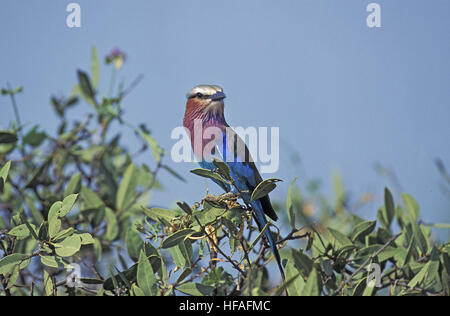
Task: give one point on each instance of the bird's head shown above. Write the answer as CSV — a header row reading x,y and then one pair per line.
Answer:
x,y
206,101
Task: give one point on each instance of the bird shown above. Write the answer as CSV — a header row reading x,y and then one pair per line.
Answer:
x,y
205,111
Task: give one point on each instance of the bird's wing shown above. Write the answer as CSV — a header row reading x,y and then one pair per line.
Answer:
x,y
236,154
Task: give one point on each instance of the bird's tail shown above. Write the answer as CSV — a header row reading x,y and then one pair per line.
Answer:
x,y
261,221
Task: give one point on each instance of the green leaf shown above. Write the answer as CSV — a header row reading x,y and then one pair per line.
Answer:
x,y
114,280
296,286
58,210
63,234
399,254
409,252
68,247
4,175
54,225
86,239
91,201
411,205
289,206
363,253
91,281
53,262
185,207
31,228
264,188
183,275
205,173
136,290
313,286
369,291
14,275
173,172
338,187
288,284
182,254
340,238
222,168
195,289
74,184
134,243
34,138
36,177
157,151
5,170
381,216
94,67
67,204
208,216
175,238
89,154
35,214
112,228
178,258
360,287
7,137
445,274
363,229
261,233
127,188
419,277
8,263
439,225
43,231
446,261
21,231
86,86
145,276
445,280
302,262
123,278
54,210
433,272
157,214
389,209
186,251
48,284
98,249
419,238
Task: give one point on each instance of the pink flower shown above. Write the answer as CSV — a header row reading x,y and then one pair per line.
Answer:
x,y
117,57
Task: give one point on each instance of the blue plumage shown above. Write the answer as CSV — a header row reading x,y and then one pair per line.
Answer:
x,y
205,105
246,177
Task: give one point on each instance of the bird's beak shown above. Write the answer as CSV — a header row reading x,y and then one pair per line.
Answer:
x,y
218,96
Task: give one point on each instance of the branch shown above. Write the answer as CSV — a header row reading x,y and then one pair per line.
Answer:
x,y
236,266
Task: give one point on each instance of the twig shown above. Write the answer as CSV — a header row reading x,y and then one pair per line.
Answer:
x,y
236,266
291,236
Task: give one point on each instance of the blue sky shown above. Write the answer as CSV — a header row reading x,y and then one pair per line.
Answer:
x,y
345,96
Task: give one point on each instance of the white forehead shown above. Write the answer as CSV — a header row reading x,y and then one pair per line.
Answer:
x,y
204,89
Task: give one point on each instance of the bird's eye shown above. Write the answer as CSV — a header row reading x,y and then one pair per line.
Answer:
x,y
199,95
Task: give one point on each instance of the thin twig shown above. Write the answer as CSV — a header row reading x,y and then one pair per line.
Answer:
x,y
236,266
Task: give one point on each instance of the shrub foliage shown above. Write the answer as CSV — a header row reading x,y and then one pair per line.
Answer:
x,y
81,198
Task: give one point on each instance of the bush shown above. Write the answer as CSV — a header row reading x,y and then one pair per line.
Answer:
x,y
80,199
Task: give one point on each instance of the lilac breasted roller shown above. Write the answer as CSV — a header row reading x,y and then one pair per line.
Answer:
x,y
211,136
